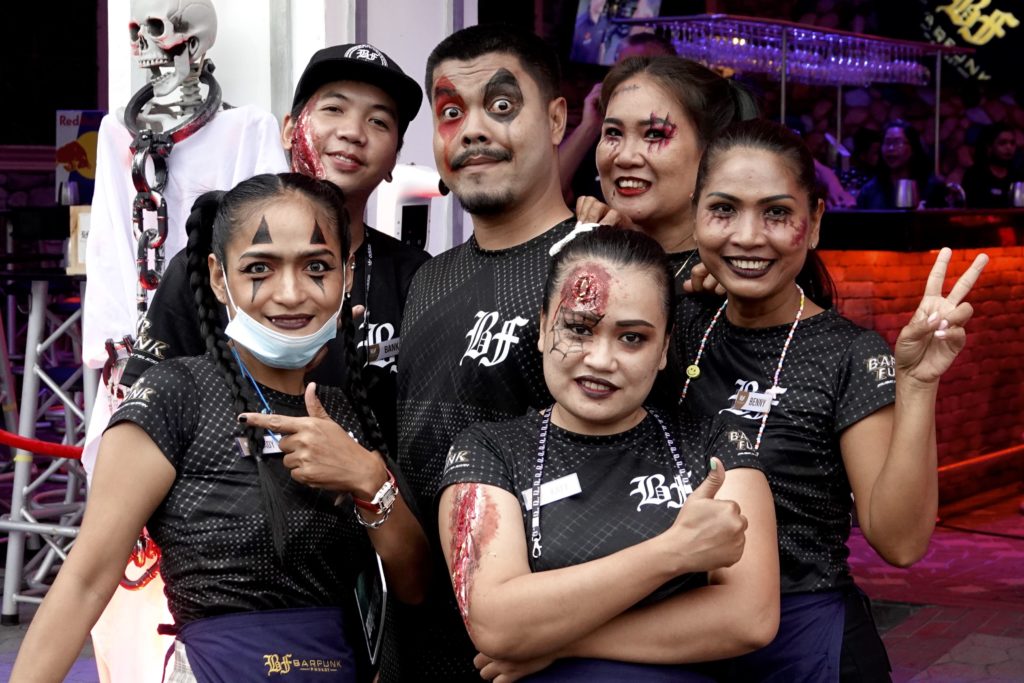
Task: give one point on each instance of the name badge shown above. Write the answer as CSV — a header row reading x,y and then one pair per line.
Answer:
x,y
270,445
753,402
384,350
556,489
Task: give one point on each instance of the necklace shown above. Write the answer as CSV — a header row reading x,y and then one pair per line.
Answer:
x,y
693,370
538,472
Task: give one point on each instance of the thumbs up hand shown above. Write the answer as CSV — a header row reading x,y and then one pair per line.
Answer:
x,y
708,533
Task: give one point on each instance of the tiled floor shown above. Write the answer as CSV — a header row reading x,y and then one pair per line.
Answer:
x,y
955,616
971,586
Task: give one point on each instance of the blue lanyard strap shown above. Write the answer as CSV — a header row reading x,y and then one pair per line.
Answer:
x,y
263,399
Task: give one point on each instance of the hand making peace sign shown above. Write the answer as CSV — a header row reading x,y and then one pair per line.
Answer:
x,y
930,342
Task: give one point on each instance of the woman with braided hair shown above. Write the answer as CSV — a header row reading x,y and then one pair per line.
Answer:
x,y
249,481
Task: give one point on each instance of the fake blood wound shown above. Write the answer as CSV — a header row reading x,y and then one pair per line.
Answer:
x,y
586,289
664,126
473,522
305,157
799,232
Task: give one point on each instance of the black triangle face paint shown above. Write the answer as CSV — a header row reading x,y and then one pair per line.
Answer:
x,y
262,235
318,235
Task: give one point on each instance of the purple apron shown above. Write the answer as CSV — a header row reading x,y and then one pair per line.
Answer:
x,y
808,646
305,645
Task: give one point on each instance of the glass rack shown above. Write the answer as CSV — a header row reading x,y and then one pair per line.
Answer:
x,y
797,52
802,53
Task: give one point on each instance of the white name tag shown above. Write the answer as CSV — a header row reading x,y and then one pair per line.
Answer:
x,y
270,445
384,350
557,489
753,402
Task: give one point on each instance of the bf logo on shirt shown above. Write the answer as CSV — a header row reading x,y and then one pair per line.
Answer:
x,y
378,336
653,491
490,347
749,402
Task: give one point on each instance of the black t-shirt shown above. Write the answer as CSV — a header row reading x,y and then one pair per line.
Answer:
x,y
171,328
835,374
665,392
630,487
985,191
469,354
218,555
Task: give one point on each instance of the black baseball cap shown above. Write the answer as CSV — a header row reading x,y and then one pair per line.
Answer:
x,y
366,64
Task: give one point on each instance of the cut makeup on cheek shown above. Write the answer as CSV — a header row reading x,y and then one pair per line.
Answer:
x,y
799,231
305,157
504,85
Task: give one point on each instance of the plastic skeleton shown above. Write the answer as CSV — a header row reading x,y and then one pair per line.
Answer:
x,y
169,39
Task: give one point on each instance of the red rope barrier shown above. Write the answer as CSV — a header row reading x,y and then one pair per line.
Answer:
x,y
53,450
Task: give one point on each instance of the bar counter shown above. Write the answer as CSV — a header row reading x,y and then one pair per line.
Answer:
x,y
880,261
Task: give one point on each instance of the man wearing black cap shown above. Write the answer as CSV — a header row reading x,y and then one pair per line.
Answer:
x,y
351,108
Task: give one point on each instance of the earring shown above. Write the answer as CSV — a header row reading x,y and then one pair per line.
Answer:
x,y
442,188
388,178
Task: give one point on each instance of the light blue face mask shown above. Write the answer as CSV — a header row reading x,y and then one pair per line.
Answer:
x,y
273,348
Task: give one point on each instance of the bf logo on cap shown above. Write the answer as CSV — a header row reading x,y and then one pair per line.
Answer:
x,y
367,53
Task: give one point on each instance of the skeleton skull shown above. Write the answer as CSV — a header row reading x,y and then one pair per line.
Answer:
x,y
171,33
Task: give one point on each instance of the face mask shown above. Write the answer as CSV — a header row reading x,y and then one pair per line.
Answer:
x,y
272,348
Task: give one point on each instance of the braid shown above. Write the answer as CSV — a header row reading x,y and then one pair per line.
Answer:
x,y
355,389
200,236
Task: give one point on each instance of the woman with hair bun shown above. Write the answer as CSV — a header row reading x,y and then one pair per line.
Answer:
x,y
841,421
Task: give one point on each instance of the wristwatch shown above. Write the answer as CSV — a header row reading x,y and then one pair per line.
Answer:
x,y
383,499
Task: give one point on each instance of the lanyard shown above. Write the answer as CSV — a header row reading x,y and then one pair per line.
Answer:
x,y
263,399
538,472
368,273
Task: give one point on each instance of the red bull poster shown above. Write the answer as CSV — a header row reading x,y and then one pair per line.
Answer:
x,y
77,132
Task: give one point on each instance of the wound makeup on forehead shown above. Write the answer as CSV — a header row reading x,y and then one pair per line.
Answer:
x,y
623,89
305,158
318,235
503,85
586,289
262,235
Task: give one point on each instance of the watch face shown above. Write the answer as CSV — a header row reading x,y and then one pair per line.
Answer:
x,y
387,498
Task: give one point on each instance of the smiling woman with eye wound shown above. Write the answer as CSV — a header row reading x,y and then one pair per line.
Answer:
x,y
834,411
638,558
659,114
266,496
